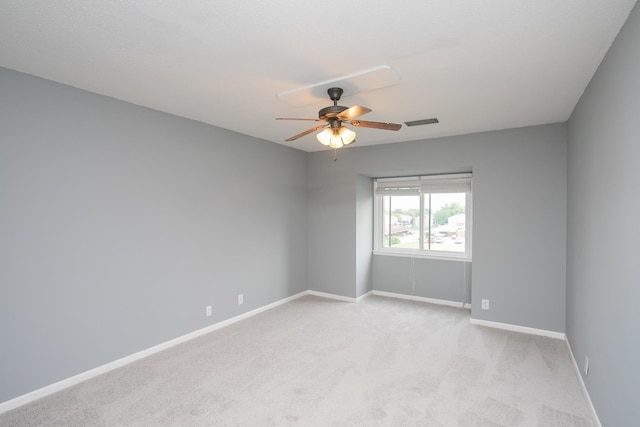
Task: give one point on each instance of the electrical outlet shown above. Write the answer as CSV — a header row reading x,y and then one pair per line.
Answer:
x,y
586,365
485,304
209,310
240,299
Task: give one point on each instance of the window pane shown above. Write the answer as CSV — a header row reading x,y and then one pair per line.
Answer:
x,y
401,222
447,222
428,235
425,216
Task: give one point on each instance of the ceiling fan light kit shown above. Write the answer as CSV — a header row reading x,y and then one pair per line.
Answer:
x,y
336,138
335,134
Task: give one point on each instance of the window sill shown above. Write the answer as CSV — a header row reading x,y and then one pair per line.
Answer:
x,y
440,256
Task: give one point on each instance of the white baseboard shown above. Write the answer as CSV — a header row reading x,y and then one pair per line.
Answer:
x,y
363,296
585,392
423,299
517,328
76,379
332,296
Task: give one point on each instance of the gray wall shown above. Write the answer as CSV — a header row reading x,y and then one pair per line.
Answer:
x,y
444,280
603,289
119,224
364,235
332,223
519,219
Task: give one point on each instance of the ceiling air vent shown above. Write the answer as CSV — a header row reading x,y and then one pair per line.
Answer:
x,y
422,122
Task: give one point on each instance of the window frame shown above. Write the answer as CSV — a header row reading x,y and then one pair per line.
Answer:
x,y
378,220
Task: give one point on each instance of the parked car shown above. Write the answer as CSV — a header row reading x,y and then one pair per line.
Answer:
x,y
439,240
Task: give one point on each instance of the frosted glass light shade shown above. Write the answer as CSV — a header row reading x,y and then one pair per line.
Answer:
x,y
347,135
336,142
324,137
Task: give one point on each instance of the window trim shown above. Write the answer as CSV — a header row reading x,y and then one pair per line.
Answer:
x,y
378,215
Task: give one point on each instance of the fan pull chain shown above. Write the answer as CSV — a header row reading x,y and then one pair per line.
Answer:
x,y
335,154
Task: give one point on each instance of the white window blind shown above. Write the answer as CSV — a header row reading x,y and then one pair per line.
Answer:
x,y
428,184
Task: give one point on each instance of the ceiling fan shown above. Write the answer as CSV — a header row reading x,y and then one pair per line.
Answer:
x,y
335,134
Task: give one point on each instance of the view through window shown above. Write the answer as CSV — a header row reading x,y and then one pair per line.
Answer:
x,y
429,215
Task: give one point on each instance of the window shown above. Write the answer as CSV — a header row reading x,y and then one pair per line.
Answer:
x,y
425,215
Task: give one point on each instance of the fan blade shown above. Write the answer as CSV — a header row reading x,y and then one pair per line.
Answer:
x,y
306,132
292,118
375,125
353,112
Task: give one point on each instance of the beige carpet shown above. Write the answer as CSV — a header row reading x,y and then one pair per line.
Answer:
x,y
318,362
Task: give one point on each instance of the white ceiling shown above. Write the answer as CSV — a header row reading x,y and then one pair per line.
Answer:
x,y
476,65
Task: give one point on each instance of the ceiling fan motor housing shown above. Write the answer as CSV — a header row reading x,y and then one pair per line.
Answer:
x,y
331,111
328,112
335,93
